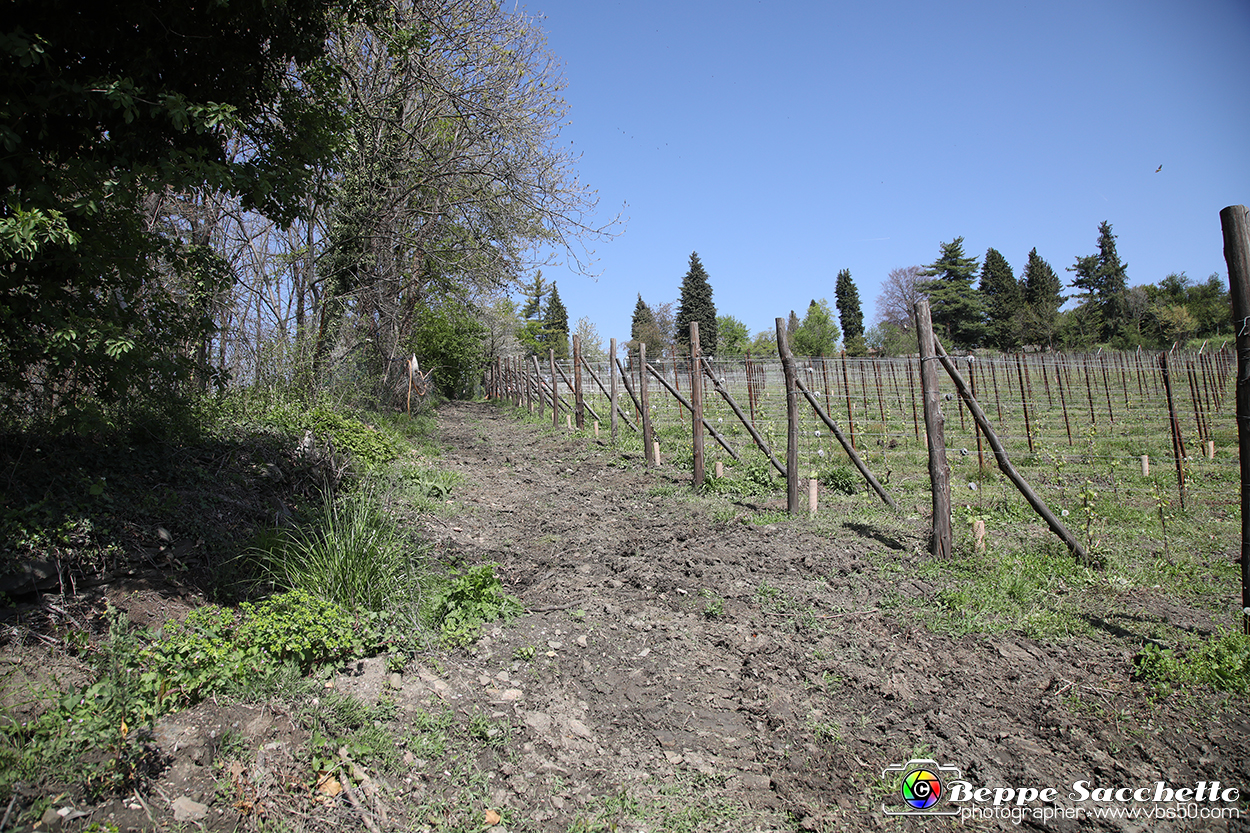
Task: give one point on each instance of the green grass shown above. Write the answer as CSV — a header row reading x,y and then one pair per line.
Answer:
x,y
354,555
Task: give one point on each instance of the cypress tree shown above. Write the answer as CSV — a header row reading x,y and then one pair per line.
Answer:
x,y
1003,297
556,325
696,305
957,310
851,315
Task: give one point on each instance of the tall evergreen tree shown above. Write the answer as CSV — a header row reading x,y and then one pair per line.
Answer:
x,y
1040,312
1003,296
696,305
556,325
1103,281
957,310
851,315
534,294
645,330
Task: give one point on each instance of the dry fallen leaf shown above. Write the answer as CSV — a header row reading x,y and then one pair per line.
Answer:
x,y
492,818
327,784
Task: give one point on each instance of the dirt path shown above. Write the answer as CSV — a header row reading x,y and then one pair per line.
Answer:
x,y
754,671
684,664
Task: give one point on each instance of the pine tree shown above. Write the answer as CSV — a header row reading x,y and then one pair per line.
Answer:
x,y
556,325
1003,296
644,330
1042,300
534,293
957,310
1103,281
696,305
851,314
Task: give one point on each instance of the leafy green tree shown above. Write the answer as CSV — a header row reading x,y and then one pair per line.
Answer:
x,y
957,310
105,109
817,334
1102,280
1038,316
733,335
764,344
450,339
696,305
851,314
889,339
1003,296
591,341
556,325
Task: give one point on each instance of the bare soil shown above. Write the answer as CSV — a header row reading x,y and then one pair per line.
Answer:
x,y
682,665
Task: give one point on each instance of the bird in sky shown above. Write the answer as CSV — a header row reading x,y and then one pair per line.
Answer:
x,y
1158,169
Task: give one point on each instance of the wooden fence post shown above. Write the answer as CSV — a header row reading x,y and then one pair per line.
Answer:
x,y
1178,441
1235,222
612,396
648,446
696,405
934,422
555,392
579,404
538,382
793,505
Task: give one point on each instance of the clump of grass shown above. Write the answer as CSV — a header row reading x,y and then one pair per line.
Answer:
x,y
354,556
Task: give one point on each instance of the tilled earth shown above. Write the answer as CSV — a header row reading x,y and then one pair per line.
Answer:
x,y
682,666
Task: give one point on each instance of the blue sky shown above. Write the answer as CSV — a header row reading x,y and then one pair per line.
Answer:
x,y
785,141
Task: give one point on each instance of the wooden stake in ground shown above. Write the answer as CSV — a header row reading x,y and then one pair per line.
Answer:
x,y
941,541
555,395
793,505
1235,221
579,404
648,439
612,396
1178,442
696,405
542,397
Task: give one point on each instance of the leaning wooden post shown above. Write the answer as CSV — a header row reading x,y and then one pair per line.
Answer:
x,y
612,395
846,446
1004,463
935,427
793,504
643,384
1235,221
696,405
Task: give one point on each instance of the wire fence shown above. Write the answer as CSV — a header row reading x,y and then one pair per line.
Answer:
x,y
1073,418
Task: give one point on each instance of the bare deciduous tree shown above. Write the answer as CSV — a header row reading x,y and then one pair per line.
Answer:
x,y
899,293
